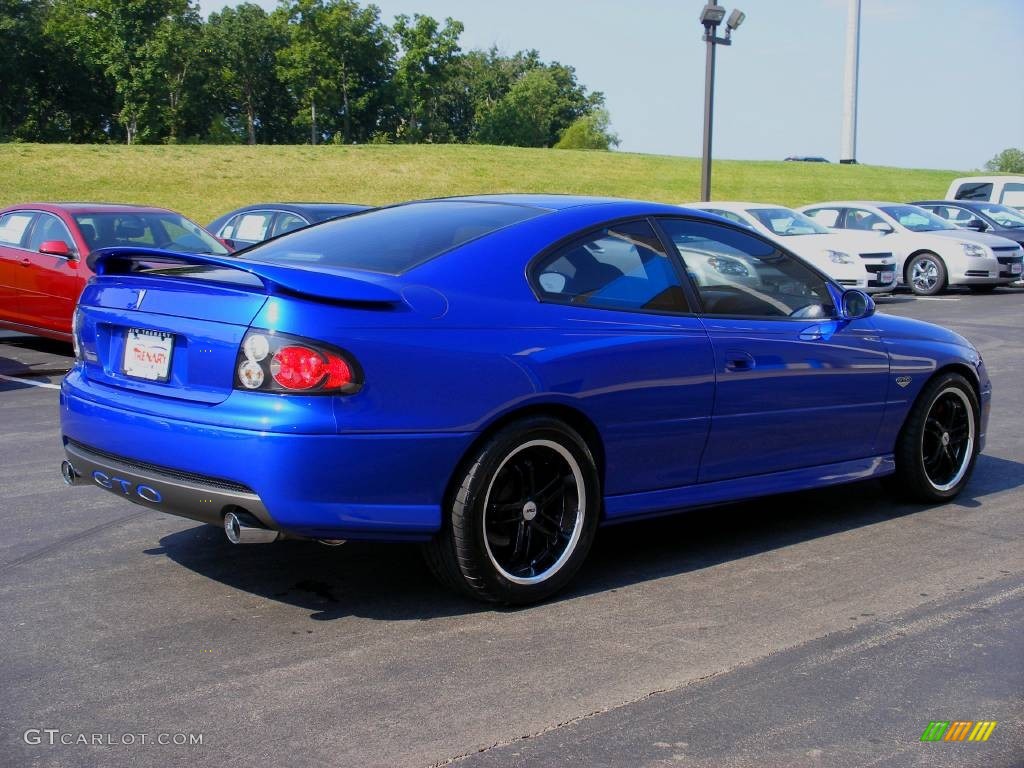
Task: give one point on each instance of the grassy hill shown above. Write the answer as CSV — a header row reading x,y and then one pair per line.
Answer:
x,y
205,181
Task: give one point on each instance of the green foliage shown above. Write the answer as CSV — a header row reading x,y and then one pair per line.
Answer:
x,y
429,58
591,131
242,42
338,66
538,107
153,71
1008,161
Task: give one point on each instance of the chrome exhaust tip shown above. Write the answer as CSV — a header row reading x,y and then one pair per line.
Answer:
x,y
68,472
244,529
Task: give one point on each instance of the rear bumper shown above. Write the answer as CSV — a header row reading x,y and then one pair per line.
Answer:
x,y
333,486
162,489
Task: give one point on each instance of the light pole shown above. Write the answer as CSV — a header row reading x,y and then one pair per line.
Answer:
x,y
848,147
711,17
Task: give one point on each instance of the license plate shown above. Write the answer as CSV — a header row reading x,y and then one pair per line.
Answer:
x,y
147,354
1015,269
887,277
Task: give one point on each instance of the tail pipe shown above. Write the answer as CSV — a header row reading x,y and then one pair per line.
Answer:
x,y
69,473
243,528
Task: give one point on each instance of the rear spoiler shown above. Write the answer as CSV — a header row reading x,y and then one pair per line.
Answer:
x,y
321,284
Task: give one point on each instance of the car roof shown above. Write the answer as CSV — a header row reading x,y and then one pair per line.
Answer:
x,y
997,177
300,207
964,203
92,207
733,205
549,202
848,203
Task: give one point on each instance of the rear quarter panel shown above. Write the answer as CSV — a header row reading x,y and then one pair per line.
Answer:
x,y
486,348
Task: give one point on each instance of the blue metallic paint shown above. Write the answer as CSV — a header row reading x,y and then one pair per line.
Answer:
x,y
468,345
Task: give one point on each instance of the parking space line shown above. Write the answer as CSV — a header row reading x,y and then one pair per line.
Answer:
x,y
937,298
31,383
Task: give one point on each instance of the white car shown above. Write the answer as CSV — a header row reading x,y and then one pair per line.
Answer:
x,y
931,252
1007,190
852,259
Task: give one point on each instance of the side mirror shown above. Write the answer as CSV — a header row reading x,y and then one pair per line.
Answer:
x,y
882,227
976,224
56,248
856,305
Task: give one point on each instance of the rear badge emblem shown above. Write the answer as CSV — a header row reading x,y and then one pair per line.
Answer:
x,y
903,381
138,299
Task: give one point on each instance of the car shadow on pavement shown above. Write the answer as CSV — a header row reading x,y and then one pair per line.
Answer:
x,y
391,582
55,359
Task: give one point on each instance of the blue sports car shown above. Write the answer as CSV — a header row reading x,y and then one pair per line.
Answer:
x,y
496,377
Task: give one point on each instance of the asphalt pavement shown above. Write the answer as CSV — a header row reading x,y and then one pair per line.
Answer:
x,y
823,629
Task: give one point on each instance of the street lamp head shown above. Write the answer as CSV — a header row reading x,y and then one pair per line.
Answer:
x,y
735,19
712,15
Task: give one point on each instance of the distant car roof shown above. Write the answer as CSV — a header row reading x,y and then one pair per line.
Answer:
x,y
549,202
961,203
94,207
734,205
846,203
997,177
315,212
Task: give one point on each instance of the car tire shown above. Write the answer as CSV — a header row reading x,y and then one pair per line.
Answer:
x,y
522,515
938,445
982,288
926,274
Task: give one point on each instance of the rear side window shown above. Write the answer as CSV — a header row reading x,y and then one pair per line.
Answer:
x,y
289,222
622,267
974,191
391,240
13,227
827,217
250,227
1013,194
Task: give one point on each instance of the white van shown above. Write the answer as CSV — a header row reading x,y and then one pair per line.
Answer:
x,y
1008,190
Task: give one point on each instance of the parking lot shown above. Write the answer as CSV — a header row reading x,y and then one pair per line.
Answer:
x,y
825,628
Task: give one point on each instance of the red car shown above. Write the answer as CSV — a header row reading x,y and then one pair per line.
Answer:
x,y
43,248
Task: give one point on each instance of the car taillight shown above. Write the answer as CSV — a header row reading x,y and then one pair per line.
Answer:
x,y
76,323
275,362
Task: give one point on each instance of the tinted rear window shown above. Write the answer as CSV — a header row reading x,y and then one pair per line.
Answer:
x,y
974,191
391,240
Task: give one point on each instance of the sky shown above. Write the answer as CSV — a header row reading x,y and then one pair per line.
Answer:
x,y
940,80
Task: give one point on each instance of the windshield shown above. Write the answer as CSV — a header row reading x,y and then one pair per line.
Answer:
x,y
784,222
150,229
917,219
1003,215
391,240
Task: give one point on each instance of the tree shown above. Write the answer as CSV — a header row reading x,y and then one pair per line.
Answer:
x,y
1008,161
539,106
118,37
338,65
591,131
174,65
246,42
424,71
48,92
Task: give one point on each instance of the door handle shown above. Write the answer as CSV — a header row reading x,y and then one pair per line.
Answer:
x,y
739,361
26,262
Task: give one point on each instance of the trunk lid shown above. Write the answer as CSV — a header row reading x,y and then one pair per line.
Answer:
x,y
170,324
